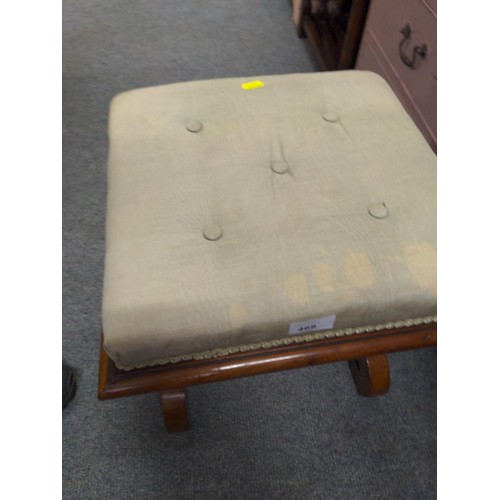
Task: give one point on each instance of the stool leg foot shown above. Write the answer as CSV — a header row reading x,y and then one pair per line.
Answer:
x,y
371,375
173,402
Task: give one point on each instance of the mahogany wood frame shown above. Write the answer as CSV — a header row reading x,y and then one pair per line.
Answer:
x,y
365,352
333,49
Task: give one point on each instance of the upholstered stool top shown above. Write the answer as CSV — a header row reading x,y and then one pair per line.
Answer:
x,y
242,216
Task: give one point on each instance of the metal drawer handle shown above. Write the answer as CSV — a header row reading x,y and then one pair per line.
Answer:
x,y
417,50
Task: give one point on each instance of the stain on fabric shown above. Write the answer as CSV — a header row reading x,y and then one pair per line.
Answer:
x,y
323,277
297,289
358,270
421,263
238,315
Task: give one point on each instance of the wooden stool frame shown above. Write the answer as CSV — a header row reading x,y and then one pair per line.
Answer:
x,y
365,352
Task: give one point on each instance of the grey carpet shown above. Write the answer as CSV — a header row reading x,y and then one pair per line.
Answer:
x,y
302,434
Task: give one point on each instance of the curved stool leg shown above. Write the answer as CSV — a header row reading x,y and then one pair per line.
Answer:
x,y
371,375
173,402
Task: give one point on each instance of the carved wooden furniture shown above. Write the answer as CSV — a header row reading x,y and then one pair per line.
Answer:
x,y
399,44
334,29
262,225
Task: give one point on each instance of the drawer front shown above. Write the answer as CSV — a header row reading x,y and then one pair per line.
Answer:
x,y
371,58
382,32
385,20
432,4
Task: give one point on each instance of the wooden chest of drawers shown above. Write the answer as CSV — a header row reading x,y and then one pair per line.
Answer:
x,y
399,43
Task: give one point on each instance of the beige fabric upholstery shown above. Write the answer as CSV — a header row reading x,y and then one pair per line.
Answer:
x,y
233,213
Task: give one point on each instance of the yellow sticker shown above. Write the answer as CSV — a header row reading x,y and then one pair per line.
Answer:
x,y
252,85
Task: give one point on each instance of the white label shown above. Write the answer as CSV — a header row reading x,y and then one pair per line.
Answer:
x,y
312,325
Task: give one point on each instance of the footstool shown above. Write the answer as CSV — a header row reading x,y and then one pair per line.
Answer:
x,y
260,224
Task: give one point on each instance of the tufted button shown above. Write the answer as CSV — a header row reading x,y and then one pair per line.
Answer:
x,y
378,210
194,126
212,232
330,116
279,166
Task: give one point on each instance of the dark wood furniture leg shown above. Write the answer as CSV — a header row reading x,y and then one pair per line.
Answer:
x,y
300,26
353,35
314,25
371,375
334,46
173,402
